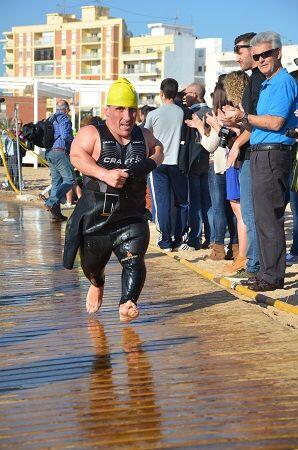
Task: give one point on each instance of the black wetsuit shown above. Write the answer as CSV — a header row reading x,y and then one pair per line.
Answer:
x,y
112,220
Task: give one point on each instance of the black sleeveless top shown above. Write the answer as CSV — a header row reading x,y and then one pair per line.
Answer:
x,y
116,156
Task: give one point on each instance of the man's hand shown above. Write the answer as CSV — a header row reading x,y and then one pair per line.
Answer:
x,y
233,155
115,178
196,122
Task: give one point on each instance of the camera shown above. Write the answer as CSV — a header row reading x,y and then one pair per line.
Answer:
x,y
225,134
292,132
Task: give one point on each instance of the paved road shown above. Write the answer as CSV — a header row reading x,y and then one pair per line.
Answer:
x,y
199,369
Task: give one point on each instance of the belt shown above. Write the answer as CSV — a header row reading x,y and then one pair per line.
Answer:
x,y
268,147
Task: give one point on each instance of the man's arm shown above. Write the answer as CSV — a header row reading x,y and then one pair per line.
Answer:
x,y
84,153
231,116
155,147
66,129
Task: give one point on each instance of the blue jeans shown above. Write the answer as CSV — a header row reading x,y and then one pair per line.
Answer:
x,y
164,181
200,210
294,209
223,215
62,174
248,215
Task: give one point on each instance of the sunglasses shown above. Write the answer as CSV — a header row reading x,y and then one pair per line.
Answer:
x,y
264,55
238,47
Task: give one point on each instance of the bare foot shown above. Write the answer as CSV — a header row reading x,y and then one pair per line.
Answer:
x,y
94,299
128,311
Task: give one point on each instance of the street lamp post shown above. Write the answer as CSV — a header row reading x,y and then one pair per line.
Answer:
x,y
16,117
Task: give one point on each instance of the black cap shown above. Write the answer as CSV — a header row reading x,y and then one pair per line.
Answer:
x,y
2,99
296,61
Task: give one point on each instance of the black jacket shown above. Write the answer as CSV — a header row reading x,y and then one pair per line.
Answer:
x,y
193,158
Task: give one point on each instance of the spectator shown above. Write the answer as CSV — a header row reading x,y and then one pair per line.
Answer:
x,y
222,212
234,84
62,172
200,208
165,122
271,158
241,151
11,152
292,256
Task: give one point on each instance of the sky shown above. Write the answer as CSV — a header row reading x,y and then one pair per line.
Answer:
x,y
215,18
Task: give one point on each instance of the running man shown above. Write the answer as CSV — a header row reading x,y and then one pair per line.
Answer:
x,y
115,158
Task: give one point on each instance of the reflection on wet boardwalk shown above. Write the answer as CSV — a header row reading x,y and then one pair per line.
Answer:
x,y
199,369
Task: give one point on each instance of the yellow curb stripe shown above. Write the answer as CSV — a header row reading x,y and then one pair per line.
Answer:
x,y
279,304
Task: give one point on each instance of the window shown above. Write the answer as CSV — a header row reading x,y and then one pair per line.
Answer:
x,y
200,68
63,52
44,54
44,69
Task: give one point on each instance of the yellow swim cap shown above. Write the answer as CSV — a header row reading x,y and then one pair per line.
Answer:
x,y
122,93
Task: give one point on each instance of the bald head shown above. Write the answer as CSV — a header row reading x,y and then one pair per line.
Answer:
x,y
62,106
194,93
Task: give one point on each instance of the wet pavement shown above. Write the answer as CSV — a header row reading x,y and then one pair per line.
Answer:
x,y
199,369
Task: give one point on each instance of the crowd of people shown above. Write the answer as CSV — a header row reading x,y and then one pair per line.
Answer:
x,y
230,179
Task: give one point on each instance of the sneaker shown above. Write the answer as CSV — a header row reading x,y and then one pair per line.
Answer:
x,y
168,250
205,245
291,259
243,273
68,205
184,247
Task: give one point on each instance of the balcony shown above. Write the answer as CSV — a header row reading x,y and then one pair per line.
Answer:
x,y
91,55
90,71
91,39
44,42
8,60
127,57
138,71
9,43
43,69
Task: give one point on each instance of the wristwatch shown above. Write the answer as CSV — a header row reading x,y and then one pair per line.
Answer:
x,y
244,118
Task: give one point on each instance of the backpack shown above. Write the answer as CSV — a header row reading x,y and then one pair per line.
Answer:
x,y
40,133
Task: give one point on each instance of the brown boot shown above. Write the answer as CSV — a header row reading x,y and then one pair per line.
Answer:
x,y
233,252
218,253
239,263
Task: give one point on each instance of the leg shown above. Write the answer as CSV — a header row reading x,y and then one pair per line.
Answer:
x,y
178,182
195,212
161,196
248,214
217,185
63,169
270,178
241,228
207,212
95,252
130,247
55,178
294,209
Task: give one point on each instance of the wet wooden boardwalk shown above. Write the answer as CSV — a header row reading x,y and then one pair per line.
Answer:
x,y
199,369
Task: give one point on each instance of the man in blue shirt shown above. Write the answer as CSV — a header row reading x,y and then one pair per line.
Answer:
x,y
271,158
62,173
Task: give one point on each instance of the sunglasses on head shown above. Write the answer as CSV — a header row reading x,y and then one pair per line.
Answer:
x,y
239,46
264,55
